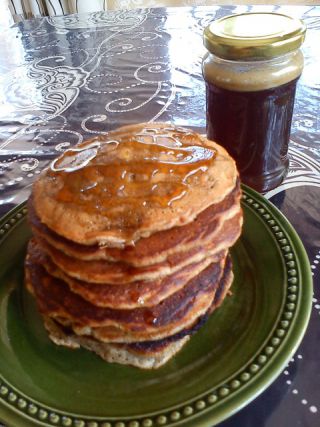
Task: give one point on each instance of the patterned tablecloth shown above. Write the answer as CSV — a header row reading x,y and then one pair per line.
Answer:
x,y
64,79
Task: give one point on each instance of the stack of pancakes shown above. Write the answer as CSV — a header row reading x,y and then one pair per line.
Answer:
x,y
131,237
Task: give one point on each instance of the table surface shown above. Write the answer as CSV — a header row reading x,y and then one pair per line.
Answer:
x,y
65,79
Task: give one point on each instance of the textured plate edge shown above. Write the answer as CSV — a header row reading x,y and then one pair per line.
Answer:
x,y
200,409
291,342
11,219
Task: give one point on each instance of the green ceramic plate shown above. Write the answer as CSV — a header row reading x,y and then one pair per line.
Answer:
x,y
238,353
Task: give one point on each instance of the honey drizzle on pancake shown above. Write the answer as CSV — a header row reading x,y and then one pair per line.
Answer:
x,y
125,174
149,317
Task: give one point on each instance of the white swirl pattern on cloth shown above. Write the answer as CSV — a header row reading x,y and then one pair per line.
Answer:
x,y
107,69
42,91
304,171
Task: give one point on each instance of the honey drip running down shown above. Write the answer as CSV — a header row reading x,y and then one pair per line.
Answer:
x,y
131,173
149,317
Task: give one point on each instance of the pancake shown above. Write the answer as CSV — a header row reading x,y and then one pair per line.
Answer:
x,y
62,302
144,355
201,307
175,313
127,296
157,247
120,272
131,183
125,354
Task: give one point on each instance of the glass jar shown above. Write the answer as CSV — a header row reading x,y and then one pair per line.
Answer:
x,y
251,71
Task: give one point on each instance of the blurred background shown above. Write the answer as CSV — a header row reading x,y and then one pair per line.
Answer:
x,y
17,10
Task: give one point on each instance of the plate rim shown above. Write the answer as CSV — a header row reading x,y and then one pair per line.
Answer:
x,y
208,408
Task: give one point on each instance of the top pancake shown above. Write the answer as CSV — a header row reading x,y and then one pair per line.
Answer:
x,y
132,183
208,224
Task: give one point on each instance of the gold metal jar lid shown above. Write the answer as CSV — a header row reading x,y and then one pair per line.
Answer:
x,y
254,35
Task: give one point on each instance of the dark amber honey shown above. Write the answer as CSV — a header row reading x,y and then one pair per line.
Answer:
x,y
255,129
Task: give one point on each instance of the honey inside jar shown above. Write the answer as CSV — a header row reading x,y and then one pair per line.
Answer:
x,y
251,72
250,114
123,175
